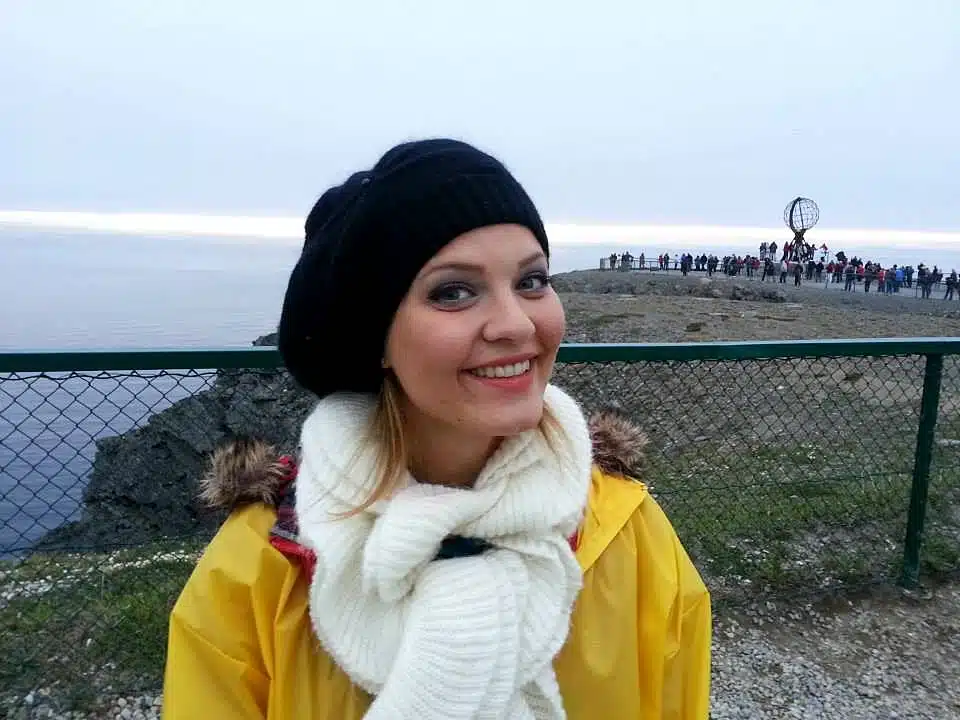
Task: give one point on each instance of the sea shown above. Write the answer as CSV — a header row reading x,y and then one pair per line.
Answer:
x,y
71,289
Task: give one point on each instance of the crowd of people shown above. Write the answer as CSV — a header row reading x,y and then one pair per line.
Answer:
x,y
798,262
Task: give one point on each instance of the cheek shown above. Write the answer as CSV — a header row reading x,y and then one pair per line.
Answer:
x,y
444,352
551,323
426,351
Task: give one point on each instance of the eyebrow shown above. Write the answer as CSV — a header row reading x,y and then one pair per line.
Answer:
x,y
470,267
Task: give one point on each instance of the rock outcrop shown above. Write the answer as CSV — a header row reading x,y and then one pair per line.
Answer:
x,y
597,282
143,484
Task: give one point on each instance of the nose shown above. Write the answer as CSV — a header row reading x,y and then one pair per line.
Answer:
x,y
508,319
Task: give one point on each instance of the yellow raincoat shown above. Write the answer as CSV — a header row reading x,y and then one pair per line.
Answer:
x,y
241,644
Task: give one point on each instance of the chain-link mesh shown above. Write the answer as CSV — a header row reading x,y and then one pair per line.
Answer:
x,y
785,476
782,477
90,615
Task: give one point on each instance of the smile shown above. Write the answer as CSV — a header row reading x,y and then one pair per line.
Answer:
x,y
502,371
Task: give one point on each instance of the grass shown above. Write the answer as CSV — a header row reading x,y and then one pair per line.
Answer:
x,y
790,476
82,626
788,520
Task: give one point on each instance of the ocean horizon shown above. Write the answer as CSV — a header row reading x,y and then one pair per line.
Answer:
x,y
76,287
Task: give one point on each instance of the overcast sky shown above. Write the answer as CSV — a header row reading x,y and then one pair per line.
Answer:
x,y
627,112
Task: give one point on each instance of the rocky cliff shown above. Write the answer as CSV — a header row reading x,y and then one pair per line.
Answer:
x,y
143,485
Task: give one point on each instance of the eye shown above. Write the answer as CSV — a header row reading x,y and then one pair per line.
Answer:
x,y
451,294
535,282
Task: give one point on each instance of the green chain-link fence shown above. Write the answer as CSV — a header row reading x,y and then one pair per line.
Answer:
x,y
788,469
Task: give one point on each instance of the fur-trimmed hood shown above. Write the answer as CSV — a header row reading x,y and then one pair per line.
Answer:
x,y
247,470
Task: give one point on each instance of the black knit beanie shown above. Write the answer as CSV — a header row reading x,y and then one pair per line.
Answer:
x,y
365,242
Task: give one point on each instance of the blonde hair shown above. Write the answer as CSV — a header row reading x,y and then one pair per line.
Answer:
x,y
386,432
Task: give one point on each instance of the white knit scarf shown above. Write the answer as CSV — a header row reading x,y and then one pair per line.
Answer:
x,y
471,637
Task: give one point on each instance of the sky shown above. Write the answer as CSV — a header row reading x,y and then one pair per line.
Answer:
x,y
668,113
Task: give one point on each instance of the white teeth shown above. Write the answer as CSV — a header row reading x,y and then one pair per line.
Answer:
x,y
503,371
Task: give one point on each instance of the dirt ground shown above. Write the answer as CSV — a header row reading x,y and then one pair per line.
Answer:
x,y
654,307
884,653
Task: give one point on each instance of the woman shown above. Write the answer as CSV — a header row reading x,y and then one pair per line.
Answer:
x,y
456,540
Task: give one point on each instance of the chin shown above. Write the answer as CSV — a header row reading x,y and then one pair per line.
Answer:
x,y
506,421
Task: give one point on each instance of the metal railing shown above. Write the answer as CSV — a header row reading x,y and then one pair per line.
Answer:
x,y
788,468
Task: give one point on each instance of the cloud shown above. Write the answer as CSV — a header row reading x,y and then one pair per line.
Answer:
x,y
687,113
561,234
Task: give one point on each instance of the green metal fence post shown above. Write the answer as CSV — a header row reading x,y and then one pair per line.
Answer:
x,y
929,408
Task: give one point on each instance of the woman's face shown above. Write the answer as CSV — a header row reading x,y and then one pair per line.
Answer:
x,y
474,341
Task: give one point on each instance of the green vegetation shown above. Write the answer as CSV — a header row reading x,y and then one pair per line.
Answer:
x,y
798,519
77,625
